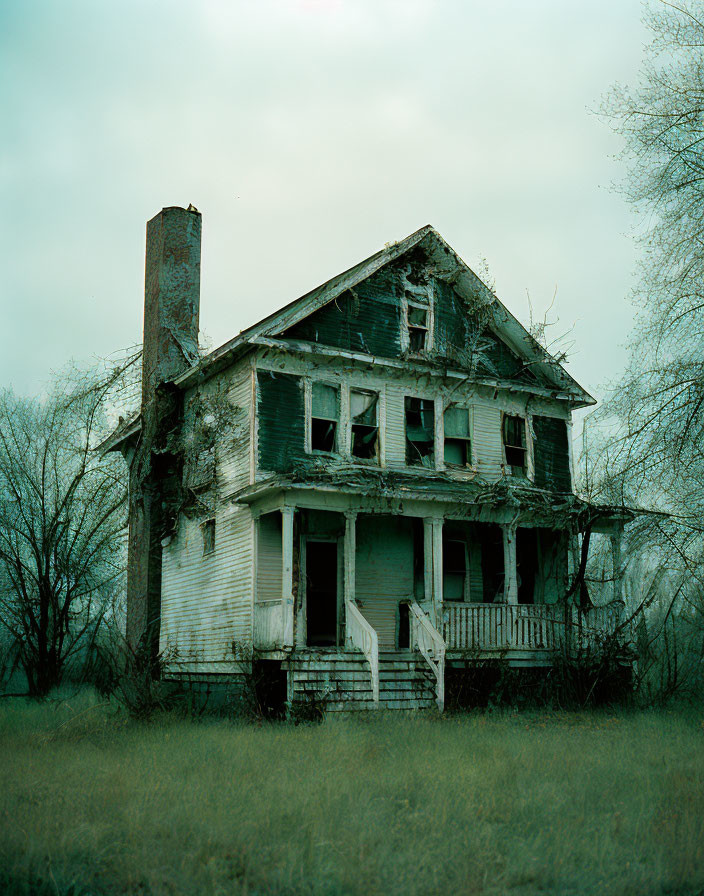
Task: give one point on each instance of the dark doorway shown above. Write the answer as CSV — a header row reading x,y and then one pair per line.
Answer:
x,y
321,593
526,562
491,540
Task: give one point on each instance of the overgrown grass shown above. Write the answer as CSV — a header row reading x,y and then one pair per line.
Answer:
x,y
571,804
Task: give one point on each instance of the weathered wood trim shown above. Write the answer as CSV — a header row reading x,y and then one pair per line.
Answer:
x,y
287,573
437,526
510,572
414,366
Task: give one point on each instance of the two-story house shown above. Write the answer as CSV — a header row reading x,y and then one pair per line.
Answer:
x,y
370,484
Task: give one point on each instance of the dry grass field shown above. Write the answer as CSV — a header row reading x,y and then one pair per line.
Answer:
x,y
92,803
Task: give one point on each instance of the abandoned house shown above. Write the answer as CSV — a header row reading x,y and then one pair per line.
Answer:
x,y
364,489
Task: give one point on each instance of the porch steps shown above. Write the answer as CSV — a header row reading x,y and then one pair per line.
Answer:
x,y
343,680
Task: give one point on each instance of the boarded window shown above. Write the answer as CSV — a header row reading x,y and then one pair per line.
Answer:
x,y
420,432
515,440
325,415
364,413
454,566
208,530
281,420
458,438
552,454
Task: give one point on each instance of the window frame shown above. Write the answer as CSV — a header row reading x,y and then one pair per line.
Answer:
x,y
423,299
525,467
433,442
376,458
308,403
469,449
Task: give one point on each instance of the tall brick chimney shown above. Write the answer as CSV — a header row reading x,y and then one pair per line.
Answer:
x,y
170,346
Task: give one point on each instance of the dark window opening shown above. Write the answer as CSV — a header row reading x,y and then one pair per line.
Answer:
x,y
417,328
515,441
325,414
458,444
321,593
454,567
208,536
364,411
404,625
420,432
323,435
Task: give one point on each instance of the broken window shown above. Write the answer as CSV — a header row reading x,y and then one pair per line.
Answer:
x,y
458,438
418,317
208,530
420,432
364,413
325,414
454,566
515,441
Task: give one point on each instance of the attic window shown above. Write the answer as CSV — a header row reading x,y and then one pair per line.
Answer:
x,y
420,432
364,413
418,317
514,434
458,439
208,529
325,415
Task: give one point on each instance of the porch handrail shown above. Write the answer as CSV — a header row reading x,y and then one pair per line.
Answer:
x,y
432,645
362,635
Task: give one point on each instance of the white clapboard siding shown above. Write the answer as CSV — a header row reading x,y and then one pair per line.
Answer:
x,y
206,601
233,452
384,572
395,427
269,558
488,450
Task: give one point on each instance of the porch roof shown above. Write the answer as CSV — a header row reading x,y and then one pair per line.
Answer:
x,y
516,500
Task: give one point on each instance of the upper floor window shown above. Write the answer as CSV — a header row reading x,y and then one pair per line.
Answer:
x,y
420,432
325,417
419,317
364,417
514,436
458,437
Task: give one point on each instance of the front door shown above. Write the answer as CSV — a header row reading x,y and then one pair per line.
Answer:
x,y
321,593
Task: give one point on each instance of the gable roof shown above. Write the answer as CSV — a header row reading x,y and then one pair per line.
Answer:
x,y
446,263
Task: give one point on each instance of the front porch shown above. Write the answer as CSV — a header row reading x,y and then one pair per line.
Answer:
x,y
365,583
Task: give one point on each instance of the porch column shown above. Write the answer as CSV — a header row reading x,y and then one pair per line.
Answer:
x,y
427,559
350,552
510,572
437,570
287,574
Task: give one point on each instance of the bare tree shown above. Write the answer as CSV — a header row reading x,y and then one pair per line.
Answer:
x,y
645,445
62,518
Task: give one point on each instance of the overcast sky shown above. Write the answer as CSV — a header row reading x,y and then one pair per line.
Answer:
x,y
309,133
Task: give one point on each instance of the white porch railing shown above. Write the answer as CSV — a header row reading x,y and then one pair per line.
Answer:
x,y
360,634
494,627
430,642
268,624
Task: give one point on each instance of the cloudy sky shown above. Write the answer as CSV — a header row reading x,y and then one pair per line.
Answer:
x,y
308,133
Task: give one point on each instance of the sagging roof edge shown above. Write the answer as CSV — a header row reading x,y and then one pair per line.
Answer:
x,y
329,290
607,513
121,434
